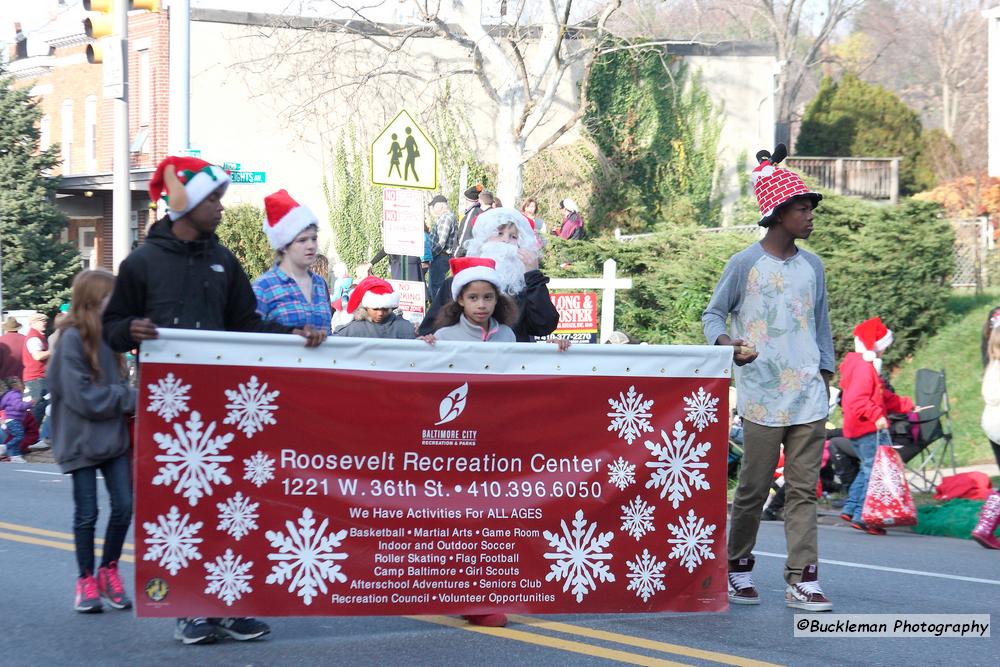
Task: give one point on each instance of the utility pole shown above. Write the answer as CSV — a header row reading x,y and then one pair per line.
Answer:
x,y
122,198
179,133
109,24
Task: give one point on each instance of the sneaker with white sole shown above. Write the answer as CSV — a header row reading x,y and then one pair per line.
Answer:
x,y
240,629
742,589
110,585
88,598
194,631
806,594
17,459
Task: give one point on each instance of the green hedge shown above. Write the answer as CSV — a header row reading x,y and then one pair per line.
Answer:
x,y
888,261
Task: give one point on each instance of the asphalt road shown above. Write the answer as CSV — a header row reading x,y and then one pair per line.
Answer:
x,y
900,573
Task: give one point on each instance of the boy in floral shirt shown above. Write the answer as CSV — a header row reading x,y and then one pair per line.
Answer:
x,y
776,295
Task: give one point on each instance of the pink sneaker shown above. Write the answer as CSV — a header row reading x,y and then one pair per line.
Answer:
x,y
88,599
109,583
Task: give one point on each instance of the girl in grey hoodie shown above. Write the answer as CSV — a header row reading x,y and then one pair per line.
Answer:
x,y
91,405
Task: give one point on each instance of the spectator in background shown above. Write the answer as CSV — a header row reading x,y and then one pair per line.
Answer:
x,y
372,304
11,349
505,236
572,224
530,210
444,229
321,267
472,211
992,322
35,357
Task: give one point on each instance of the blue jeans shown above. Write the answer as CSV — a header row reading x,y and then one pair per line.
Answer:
x,y
38,389
15,430
439,269
865,446
118,479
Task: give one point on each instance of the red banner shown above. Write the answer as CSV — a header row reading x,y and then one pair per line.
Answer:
x,y
577,311
392,477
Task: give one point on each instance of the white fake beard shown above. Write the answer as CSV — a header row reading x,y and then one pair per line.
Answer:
x,y
877,363
509,266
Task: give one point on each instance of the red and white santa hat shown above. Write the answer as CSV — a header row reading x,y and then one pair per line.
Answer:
x,y
373,292
285,218
184,182
774,186
465,270
871,337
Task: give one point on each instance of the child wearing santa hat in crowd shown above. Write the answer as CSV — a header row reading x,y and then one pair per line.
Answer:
x,y
866,404
372,302
479,311
289,292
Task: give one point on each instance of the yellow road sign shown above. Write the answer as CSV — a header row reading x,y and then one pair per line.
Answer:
x,y
403,156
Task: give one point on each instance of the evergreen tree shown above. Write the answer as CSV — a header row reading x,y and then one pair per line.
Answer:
x,y
242,231
355,206
658,133
854,118
37,267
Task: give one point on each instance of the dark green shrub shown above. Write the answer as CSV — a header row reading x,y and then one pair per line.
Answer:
x,y
894,262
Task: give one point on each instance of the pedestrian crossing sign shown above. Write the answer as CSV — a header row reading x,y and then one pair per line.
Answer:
x,y
403,156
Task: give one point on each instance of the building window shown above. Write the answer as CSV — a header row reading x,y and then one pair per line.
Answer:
x,y
66,131
45,133
90,133
145,94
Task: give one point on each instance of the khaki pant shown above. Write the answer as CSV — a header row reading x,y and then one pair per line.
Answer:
x,y
803,456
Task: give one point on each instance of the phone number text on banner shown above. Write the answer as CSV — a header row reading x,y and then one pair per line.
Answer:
x,y
391,477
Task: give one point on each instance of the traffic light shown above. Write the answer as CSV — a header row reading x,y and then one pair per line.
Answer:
x,y
101,23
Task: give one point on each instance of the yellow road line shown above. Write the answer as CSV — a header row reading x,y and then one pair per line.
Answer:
x,y
50,543
504,633
639,642
552,642
49,533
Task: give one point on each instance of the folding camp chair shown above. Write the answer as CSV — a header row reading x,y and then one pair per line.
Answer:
x,y
926,451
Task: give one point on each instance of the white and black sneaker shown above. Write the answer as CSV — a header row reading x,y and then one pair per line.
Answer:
x,y
240,629
742,589
194,631
806,594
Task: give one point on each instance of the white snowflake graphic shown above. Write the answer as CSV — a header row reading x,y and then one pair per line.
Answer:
x,y
251,407
692,541
228,577
637,518
193,459
679,467
579,556
621,473
259,469
886,484
631,415
701,409
645,575
168,397
172,540
238,516
306,557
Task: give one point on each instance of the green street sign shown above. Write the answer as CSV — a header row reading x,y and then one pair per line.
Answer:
x,y
248,176
231,166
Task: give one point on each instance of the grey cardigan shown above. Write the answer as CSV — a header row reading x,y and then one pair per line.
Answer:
x,y
89,419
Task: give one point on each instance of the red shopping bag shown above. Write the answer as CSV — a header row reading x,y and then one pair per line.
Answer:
x,y
888,501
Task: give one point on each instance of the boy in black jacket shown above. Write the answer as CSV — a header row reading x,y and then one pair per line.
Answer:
x,y
183,278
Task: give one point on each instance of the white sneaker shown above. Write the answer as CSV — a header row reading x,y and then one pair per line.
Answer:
x,y
17,459
807,594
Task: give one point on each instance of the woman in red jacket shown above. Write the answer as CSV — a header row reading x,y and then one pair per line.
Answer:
x,y
866,405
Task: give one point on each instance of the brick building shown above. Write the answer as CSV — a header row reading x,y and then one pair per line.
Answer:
x,y
79,121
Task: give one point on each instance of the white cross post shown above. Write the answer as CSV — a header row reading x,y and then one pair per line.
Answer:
x,y
608,283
